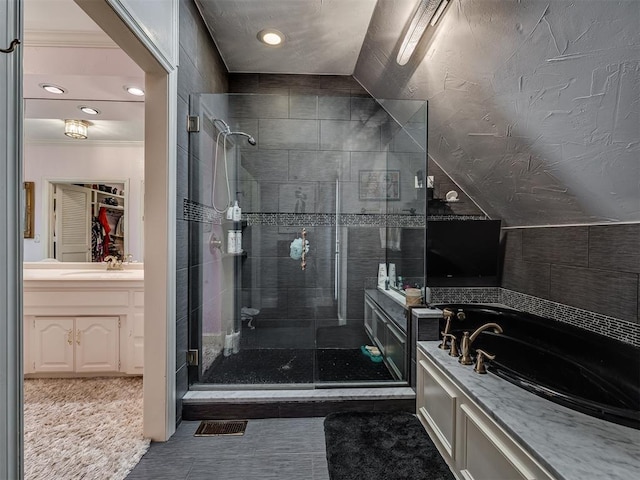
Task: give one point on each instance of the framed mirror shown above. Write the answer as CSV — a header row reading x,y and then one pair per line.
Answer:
x,y
28,203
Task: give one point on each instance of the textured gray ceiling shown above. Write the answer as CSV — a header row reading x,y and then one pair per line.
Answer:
x,y
322,36
533,106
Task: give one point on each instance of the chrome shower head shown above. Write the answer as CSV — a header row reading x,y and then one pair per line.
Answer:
x,y
250,139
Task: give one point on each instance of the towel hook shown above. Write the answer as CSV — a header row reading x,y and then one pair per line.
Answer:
x,y
12,47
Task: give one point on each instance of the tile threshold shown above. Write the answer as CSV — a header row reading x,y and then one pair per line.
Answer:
x,y
266,396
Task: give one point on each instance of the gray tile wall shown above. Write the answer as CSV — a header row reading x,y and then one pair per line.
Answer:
x,y
313,131
592,268
201,70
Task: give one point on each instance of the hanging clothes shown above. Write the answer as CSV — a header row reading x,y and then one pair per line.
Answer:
x,y
97,254
104,222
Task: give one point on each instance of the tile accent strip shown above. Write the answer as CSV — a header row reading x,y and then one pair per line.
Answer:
x,y
329,220
611,327
465,295
197,212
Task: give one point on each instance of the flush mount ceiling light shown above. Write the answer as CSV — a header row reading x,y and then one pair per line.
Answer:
x,y
271,36
77,129
89,110
427,13
138,92
51,88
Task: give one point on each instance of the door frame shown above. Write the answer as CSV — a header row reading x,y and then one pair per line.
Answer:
x,y
11,233
160,139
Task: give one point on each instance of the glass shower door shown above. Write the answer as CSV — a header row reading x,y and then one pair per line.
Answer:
x,y
281,312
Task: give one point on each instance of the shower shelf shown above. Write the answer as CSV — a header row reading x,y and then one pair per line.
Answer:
x,y
243,254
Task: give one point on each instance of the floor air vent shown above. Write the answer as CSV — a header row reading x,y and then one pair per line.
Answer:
x,y
210,428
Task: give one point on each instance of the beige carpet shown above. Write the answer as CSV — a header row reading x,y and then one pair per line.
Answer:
x,y
89,429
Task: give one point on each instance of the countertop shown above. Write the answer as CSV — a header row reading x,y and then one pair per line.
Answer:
x,y
570,444
69,272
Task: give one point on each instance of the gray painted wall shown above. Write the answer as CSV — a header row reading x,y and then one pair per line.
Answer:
x,y
533,106
201,70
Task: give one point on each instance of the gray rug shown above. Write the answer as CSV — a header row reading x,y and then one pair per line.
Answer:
x,y
389,446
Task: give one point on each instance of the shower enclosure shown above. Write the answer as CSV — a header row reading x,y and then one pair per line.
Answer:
x,y
329,187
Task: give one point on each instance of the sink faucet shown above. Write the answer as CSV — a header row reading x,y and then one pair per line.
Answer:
x,y
113,263
467,340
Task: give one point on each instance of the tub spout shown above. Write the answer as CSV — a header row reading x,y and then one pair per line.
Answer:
x,y
467,340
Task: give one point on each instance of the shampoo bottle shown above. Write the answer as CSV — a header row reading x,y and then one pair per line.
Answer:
x,y
237,212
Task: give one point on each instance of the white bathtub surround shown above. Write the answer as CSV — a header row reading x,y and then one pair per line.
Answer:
x,y
82,428
568,444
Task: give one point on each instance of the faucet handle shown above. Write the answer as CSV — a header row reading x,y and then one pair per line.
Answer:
x,y
453,350
480,366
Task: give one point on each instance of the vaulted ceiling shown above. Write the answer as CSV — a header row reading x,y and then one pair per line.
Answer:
x,y
533,106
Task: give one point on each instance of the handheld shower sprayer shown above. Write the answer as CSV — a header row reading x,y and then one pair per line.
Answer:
x,y
224,130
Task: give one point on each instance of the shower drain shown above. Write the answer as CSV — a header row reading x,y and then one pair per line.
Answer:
x,y
210,428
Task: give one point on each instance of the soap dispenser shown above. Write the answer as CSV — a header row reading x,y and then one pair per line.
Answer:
x,y
237,212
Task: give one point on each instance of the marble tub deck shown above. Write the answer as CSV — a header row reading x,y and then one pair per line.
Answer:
x,y
570,444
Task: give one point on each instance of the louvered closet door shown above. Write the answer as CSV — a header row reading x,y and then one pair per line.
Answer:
x,y
73,228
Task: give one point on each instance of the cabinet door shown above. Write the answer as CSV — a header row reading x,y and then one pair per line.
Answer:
x,y
52,344
395,349
436,402
97,344
488,454
380,330
135,347
368,317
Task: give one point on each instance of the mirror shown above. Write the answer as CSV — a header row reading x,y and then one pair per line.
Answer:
x,y
70,205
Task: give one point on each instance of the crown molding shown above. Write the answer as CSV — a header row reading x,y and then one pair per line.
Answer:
x,y
58,38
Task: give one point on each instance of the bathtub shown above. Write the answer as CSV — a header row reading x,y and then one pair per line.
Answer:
x,y
567,365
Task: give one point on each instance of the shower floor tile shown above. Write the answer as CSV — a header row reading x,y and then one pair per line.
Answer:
x,y
290,366
262,366
348,365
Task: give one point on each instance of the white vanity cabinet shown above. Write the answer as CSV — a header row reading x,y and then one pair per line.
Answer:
x,y
81,344
472,444
83,322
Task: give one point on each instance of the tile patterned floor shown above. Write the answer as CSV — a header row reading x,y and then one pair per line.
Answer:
x,y
270,449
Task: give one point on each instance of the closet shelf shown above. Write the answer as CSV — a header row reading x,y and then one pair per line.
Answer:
x,y
112,207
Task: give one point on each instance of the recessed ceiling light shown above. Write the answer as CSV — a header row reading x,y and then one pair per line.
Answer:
x,y
89,110
49,87
138,92
271,36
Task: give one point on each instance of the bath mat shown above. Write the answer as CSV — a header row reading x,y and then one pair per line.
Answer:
x,y
389,446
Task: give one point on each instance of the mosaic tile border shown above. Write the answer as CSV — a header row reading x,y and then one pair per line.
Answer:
x,y
611,327
197,212
457,217
465,294
329,220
